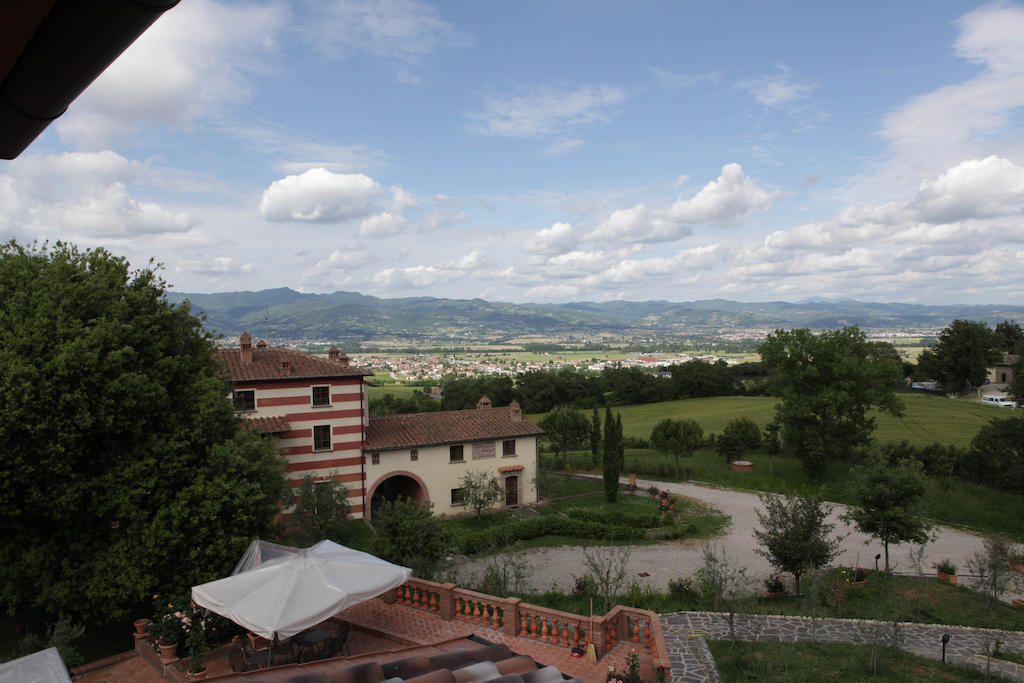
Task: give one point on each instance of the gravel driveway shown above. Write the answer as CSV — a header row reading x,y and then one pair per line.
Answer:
x,y
556,566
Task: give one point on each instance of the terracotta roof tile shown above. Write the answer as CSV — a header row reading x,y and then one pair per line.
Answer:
x,y
510,468
266,425
453,426
275,363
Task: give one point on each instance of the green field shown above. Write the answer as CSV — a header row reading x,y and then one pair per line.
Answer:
x,y
399,390
927,419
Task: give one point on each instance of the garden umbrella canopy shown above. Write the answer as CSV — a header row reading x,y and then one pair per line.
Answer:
x,y
44,666
294,591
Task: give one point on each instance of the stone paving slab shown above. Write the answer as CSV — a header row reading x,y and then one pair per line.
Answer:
x,y
965,643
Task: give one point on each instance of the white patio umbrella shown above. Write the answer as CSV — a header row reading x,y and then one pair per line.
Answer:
x,y
292,592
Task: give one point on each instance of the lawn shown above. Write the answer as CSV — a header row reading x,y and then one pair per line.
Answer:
x,y
399,390
927,419
815,662
565,492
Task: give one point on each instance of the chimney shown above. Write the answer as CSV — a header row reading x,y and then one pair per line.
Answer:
x,y
343,359
286,365
332,353
261,344
246,345
515,411
484,402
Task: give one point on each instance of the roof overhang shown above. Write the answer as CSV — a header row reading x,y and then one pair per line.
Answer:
x,y
51,50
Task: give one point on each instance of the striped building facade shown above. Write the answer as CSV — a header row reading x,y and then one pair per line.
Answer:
x,y
315,409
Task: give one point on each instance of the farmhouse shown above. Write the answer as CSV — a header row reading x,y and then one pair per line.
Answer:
x,y
317,411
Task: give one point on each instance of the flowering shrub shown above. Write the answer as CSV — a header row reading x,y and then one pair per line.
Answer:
x,y
666,503
632,673
773,584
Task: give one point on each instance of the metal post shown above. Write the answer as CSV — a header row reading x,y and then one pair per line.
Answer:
x,y
945,639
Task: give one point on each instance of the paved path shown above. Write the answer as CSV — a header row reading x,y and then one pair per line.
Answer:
x,y
685,633
657,564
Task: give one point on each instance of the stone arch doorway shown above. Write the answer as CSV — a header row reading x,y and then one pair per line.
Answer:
x,y
396,485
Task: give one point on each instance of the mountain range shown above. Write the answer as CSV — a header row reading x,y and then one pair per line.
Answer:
x,y
286,314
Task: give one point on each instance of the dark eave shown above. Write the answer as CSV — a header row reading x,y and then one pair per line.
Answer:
x,y
51,50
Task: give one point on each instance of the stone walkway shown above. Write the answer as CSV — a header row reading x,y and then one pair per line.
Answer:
x,y
692,662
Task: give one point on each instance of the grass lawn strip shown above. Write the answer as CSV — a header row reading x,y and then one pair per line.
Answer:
x,y
815,662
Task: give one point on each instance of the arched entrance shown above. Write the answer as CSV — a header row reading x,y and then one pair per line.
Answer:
x,y
394,486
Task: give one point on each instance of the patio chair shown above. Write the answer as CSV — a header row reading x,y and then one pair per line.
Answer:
x,y
283,653
338,645
238,661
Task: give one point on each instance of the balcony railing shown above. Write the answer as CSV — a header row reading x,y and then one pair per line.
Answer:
x,y
516,618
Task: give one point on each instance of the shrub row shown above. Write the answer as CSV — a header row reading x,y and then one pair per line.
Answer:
x,y
644,520
474,542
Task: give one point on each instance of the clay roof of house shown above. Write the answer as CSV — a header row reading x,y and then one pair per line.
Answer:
x,y
266,425
452,426
271,363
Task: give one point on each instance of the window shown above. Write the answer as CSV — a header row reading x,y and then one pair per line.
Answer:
x,y
414,455
455,454
508,448
322,437
375,458
321,396
244,400
458,497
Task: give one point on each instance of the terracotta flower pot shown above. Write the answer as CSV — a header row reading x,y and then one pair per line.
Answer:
x,y
168,651
774,594
141,626
198,675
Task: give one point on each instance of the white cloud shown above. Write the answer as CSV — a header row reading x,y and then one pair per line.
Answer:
x,y
408,278
777,89
469,261
547,110
320,196
194,59
991,36
385,224
723,202
562,147
557,292
83,195
973,119
113,213
214,267
977,188
557,239
403,30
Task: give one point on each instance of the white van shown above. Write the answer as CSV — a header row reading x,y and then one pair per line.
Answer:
x,y
1003,401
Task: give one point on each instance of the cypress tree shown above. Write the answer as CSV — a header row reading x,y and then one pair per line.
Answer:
x,y
612,448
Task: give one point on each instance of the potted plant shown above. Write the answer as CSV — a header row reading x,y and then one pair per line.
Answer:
x,y
858,576
196,650
168,632
773,586
141,626
946,571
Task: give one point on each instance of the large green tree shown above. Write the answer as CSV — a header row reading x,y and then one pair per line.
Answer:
x,y
678,438
890,497
409,534
996,456
962,356
566,429
123,471
828,383
795,534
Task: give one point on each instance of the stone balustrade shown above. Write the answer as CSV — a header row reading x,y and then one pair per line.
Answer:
x,y
516,618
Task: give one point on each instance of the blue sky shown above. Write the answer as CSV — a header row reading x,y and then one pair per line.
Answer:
x,y
552,151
